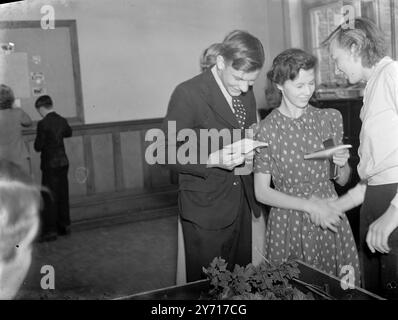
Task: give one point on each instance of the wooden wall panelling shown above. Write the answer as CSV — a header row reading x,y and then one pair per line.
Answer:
x,y
160,176
155,175
108,174
146,167
137,203
78,173
118,161
89,164
132,159
34,162
102,149
173,177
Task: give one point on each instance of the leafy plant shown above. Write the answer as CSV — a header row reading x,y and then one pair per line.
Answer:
x,y
262,282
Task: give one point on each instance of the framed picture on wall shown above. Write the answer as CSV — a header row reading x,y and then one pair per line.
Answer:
x,y
43,61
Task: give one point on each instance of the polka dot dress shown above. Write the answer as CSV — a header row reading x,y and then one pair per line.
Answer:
x,y
290,233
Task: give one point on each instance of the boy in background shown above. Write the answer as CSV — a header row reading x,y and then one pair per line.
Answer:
x,y
51,131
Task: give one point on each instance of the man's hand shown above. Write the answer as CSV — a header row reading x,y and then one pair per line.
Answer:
x,y
341,157
323,214
226,158
380,230
249,156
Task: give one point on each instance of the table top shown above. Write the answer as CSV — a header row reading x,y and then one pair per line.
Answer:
x,y
310,276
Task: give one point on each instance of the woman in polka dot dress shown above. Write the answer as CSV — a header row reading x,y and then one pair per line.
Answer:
x,y
302,224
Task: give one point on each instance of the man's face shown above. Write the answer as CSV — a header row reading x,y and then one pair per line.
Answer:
x,y
347,62
235,81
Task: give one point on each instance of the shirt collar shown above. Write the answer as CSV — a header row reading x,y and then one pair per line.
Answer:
x,y
220,84
379,66
377,69
50,112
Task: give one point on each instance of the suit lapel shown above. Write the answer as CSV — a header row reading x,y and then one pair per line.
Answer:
x,y
216,100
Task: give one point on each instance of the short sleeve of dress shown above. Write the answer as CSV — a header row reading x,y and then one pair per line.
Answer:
x,y
253,130
335,119
262,159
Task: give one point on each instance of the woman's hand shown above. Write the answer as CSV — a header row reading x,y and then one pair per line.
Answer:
x,y
340,158
323,214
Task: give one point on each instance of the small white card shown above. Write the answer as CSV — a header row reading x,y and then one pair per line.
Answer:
x,y
326,153
246,145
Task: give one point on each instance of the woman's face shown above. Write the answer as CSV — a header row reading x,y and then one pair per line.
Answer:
x,y
348,62
298,92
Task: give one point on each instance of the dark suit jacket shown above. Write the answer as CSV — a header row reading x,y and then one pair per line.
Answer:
x,y
209,197
51,131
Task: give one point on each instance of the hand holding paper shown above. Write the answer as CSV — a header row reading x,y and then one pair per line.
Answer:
x,y
246,145
327,152
234,154
225,159
340,157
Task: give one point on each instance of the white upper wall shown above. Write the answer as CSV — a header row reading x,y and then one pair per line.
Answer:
x,y
134,52
296,23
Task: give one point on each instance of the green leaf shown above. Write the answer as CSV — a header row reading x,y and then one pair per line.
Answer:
x,y
269,281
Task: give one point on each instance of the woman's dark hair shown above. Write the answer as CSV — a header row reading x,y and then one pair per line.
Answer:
x,y
7,97
286,66
44,101
368,38
209,56
244,51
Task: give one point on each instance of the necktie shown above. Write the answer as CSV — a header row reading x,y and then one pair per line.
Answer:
x,y
240,111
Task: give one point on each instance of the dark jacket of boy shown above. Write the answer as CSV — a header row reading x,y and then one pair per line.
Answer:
x,y
51,131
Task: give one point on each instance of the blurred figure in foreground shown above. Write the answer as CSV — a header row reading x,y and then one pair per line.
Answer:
x,y
19,223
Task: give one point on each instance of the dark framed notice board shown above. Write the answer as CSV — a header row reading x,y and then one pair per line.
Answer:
x,y
42,61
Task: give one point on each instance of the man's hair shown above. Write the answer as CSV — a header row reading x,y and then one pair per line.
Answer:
x,y
7,97
209,56
368,38
44,101
19,206
244,51
286,66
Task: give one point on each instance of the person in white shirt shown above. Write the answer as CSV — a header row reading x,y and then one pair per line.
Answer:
x,y
359,52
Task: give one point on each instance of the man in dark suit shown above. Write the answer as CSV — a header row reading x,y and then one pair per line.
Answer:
x,y
215,202
51,131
